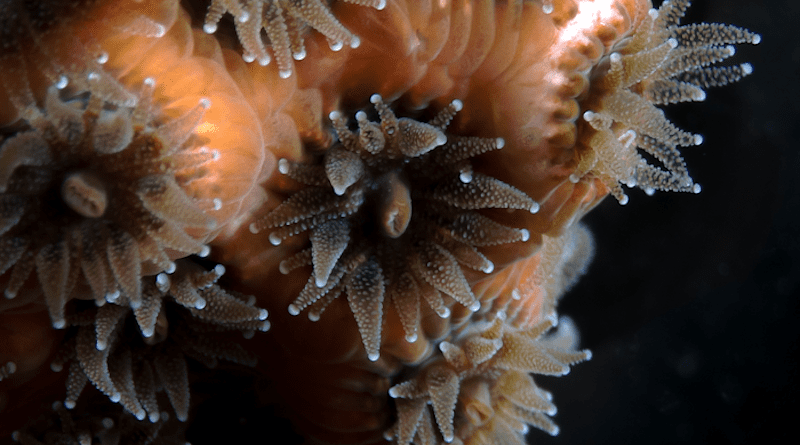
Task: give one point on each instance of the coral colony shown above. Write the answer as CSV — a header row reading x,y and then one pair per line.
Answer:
x,y
373,204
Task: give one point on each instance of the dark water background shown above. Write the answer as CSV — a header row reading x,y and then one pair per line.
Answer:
x,y
691,304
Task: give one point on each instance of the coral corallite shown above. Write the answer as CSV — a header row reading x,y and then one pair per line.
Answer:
x,y
396,184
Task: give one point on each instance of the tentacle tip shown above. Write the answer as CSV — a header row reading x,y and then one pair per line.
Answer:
x,y
381,4
294,310
274,239
321,281
300,55
253,228
355,42
698,139
101,345
170,269
263,314
59,323
69,404
488,267
373,356
525,235
154,417
756,39
747,69
210,28
458,106
336,46
140,415
204,251
375,98
115,397
162,279
285,74
62,82
313,316
534,207
200,304
696,189
412,338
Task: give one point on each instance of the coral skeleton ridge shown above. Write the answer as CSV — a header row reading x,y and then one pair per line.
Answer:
x,y
165,186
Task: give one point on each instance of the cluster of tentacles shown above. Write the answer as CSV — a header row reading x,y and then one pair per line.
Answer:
x,y
284,22
130,370
139,136
661,63
480,389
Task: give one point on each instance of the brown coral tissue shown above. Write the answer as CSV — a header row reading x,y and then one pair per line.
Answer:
x,y
358,216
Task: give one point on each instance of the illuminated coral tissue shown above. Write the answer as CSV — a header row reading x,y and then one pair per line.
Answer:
x,y
372,204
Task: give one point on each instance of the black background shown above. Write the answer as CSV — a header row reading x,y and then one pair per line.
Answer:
x,y
690,305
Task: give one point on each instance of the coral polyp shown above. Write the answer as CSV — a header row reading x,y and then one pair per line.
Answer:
x,y
393,214
92,195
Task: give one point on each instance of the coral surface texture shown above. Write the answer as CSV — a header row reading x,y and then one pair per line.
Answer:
x,y
357,216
